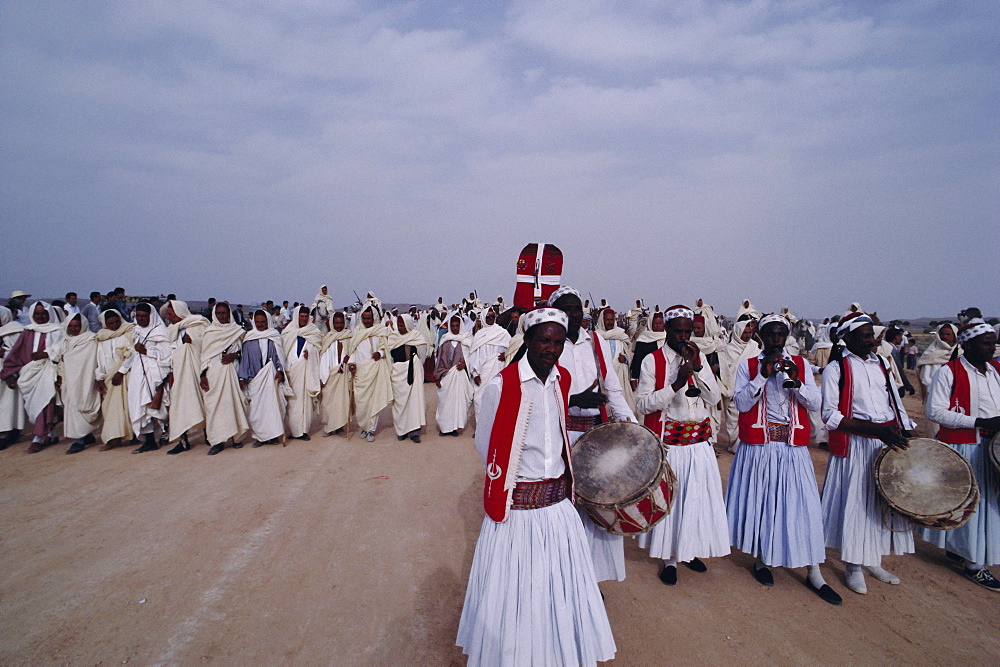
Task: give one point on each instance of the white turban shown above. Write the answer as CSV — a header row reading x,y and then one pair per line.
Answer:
x,y
542,315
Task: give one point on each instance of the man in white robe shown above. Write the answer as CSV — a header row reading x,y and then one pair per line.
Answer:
x,y
12,415
620,347
187,403
76,359
262,378
451,375
147,369
407,348
335,402
114,346
323,307
742,345
370,369
225,403
29,366
301,341
486,357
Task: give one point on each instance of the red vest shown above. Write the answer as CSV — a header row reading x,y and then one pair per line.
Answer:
x,y
501,475
840,441
652,420
961,402
753,423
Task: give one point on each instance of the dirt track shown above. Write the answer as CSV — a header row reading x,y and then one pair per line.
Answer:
x,y
346,552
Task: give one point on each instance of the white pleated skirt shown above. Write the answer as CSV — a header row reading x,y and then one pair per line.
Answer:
x,y
772,502
696,526
978,541
607,551
856,521
532,597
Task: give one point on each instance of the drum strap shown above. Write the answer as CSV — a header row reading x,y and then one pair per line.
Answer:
x,y
893,396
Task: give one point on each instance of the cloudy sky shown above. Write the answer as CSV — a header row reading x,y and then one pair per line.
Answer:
x,y
805,153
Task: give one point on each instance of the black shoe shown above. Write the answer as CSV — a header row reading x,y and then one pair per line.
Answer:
x,y
668,575
178,448
256,444
763,576
826,593
401,438
952,556
237,445
415,437
984,578
304,436
148,446
695,565
76,447
89,439
215,449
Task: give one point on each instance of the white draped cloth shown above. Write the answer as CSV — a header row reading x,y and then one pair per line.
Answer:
x,y
302,372
373,378
187,402
113,348
335,404
408,405
323,303
455,392
37,379
146,373
12,415
76,357
937,354
225,403
619,343
265,395
484,356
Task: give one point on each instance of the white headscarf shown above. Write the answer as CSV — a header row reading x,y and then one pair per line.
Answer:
x,y
938,352
187,321
219,337
53,326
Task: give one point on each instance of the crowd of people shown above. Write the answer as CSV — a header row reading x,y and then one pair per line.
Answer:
x,y
536,381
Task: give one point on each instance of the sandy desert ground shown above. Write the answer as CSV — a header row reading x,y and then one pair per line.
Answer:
x,y
346,552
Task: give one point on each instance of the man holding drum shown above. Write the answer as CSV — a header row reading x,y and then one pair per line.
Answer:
x,y
965,400
862,412
532,596
772,500
676,388
595,391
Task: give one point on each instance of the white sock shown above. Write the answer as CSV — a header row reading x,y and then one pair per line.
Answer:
x,y
670,563
882,575
37,438
974,567
816,577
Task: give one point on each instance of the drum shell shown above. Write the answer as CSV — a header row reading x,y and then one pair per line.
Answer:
x,y
890,479
643,509
994,450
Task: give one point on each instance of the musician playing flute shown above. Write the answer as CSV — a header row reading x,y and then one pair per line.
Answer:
x,y
964,400
532,596
863,414
772,499
586,355
676,388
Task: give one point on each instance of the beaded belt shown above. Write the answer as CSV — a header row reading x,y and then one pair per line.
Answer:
x,y
777,432
987,434
578,423
686,433
534,495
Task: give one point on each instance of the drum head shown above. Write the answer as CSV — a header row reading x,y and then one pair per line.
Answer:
x,y
927,479
613,463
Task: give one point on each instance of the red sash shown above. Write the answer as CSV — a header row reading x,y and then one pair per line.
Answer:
x,y
602,369
753,423
652,420
961,402
496,498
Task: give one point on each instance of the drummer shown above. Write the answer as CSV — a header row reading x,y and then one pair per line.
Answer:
x,y
965,400
532,597
590,402
676,388
772,500
862,414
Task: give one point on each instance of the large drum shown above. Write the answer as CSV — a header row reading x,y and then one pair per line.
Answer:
x,y
929,483
622,477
